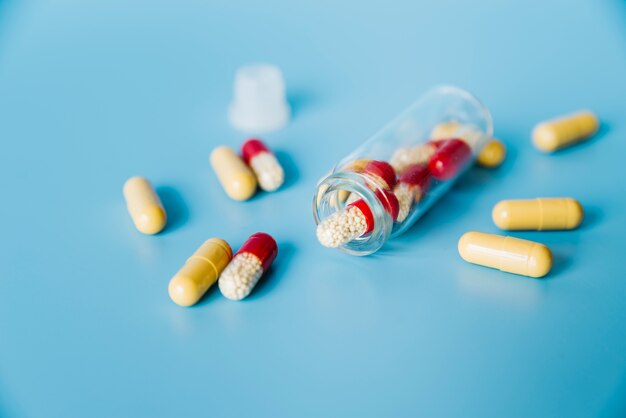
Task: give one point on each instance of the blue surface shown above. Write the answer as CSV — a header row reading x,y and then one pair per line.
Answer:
x,y
94,92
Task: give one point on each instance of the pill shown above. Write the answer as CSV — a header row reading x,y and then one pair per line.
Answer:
x,y
564,131
509,254
406,156
411,186
451,156
354,221
455,129
236,178
200,272
263,162
247,266
492,154
382,172
355,166
538,214
446,130
144,206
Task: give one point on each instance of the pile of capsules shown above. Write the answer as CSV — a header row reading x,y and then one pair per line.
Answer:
x,y
404,181
519,256
214,260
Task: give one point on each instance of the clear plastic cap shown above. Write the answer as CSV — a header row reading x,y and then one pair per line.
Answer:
x,y
259,103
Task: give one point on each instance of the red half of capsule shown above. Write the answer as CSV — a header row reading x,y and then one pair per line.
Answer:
x,y
449,159
416,175
367,213
261,245
382,170
390,203
387,199
251,148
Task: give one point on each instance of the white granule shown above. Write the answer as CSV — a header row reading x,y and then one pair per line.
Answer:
x,y
268,171
352,197
341,227
404,157
405,196
240,276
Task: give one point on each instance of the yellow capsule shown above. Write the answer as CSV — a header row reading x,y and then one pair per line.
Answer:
x,y
144,206
200,272
234,175
509,254
492,154
538,214
564,131
446,130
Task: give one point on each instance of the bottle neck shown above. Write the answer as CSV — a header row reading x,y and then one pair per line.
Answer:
x,y
336,191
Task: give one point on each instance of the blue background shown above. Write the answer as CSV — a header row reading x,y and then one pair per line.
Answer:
x,y
92,93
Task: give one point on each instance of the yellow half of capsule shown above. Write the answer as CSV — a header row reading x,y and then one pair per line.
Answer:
x,y
144,206
492,154
509,254
538,214
237,179
200,272
558,133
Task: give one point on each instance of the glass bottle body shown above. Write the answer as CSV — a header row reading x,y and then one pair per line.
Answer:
x,y
402,170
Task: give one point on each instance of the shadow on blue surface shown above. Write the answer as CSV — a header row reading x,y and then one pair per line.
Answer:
x,y
454,203
5,12
300,100
593,216
292,175
271,279
175,207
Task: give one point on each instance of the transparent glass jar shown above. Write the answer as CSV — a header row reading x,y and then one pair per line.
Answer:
x,y
381,188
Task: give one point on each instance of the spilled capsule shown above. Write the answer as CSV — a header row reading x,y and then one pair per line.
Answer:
x,y
509,254
492,154
236,178
264,163
565,131
144,206
200,272
539,214
253,259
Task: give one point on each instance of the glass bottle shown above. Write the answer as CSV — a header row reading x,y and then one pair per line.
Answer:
x,y
380,189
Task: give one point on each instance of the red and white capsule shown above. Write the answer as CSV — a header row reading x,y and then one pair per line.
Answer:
x,y
354,221
247,266
382,172
264,163
450,158
411,187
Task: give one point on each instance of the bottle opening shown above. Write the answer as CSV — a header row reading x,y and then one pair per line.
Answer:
x,y
343,200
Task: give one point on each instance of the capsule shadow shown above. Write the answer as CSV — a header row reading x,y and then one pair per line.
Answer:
x,y
300,100
289,166
175,207
211,295
560,264
276,273
593,215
